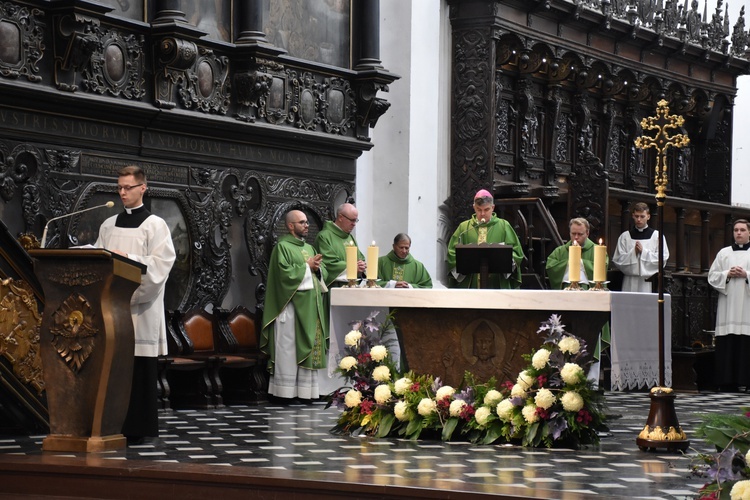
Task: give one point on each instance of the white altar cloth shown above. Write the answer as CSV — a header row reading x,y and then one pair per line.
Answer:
x,y
635,340
633,322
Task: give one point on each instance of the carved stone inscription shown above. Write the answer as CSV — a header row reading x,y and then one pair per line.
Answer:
x,y
16,120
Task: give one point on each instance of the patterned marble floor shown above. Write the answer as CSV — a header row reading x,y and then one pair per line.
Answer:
x,y
295,437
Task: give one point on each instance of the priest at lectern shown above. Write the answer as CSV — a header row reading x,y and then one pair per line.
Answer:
x,y
143,237
485,227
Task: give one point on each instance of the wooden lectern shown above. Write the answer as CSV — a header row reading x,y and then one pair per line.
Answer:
x,y
484,259
87,345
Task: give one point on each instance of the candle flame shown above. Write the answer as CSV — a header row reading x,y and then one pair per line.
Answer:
x,y
373,243
575,243
600,241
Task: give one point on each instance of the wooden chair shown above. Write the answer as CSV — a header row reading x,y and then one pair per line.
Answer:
x,y
238,337
191,370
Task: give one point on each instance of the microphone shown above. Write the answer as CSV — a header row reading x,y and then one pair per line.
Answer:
x,y
109,204
471,226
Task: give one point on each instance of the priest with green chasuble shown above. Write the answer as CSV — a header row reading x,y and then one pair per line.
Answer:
x,y
485,227
557,262
558,270
332,241
399,269
295,317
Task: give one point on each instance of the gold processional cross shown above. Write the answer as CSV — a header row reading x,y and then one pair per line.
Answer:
x,y
661,141
662,430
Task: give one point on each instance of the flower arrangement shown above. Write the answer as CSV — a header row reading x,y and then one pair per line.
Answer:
x,y
551,401
728,470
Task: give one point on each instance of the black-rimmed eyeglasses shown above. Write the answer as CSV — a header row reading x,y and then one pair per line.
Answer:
x,y
350,219
303,222
128,188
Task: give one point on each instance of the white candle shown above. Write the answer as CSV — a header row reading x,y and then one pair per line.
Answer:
x,y
351,261
600,261
372,262
574,262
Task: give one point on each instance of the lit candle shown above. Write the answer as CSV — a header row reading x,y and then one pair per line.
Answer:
x,y
372,262
574,262
600,262
351,260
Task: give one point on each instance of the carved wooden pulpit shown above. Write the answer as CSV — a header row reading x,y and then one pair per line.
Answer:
x,y
87,345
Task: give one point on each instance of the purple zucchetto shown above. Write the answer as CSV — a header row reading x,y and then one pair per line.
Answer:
x,y
483,193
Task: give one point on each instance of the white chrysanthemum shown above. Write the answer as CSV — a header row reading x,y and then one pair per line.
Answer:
x,y
540,359
518,391
348,363
456,406
352,338
504,409
571,401
381,373
444,392
493,397
529,413
570,345
525,380
426,407
482,415
402,385
740,490
571,373
544,399
401,411
382,393
378,353
353,398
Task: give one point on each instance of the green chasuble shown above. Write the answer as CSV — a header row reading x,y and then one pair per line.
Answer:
x,y
286,271
391,267
330,243
497,230
557,264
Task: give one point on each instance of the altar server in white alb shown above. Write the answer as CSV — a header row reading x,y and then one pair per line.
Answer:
x,y
143,237
728,275
637,252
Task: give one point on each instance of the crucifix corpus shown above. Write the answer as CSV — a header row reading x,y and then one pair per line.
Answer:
x,y
662,428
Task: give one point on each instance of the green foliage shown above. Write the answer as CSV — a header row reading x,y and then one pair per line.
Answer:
x,y
728,469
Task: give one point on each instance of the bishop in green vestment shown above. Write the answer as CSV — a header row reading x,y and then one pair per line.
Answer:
x,y
485,227
332,240
399,269
295,317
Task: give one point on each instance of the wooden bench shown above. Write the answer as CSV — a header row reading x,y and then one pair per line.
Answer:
x,y
214,359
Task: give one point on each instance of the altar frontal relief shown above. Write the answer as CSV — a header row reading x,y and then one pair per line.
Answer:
x,y
446,345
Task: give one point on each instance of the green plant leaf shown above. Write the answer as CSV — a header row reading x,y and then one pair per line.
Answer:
x,y
449,427
385,425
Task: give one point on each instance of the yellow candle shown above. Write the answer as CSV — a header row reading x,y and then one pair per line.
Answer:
x,y
574,263
600,261
351,261
372,262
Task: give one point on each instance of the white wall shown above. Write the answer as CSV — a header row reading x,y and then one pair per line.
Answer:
x,y
404,178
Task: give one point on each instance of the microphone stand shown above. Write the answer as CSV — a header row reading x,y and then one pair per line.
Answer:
x,y
109,204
